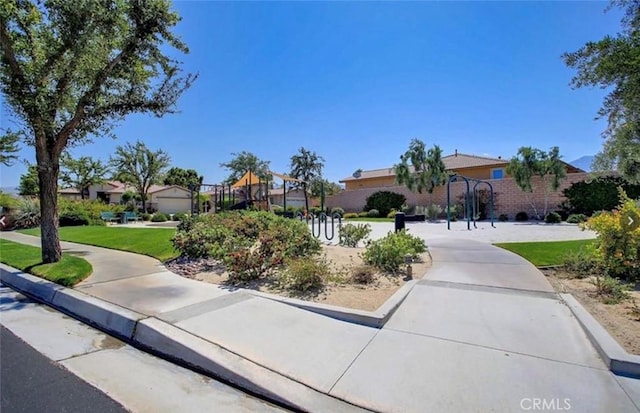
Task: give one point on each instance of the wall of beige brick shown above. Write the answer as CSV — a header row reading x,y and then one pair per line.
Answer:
x,y
509,199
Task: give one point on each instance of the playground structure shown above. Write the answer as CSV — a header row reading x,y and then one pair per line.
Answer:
x,y
471,203
249,191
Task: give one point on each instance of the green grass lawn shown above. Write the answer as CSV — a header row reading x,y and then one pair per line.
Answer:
x,y
545,253
154,242
368,219
68,271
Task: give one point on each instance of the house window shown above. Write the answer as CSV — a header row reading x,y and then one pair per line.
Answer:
x,y
497,173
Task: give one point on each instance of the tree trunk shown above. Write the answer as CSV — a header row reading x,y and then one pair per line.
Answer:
x,y
306,200
48,170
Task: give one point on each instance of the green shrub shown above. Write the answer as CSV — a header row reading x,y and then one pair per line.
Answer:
x,y
350,215
90,208
159,217
601,193
73,219
552,218
385,201
408,209
179,216
337,210
26,214
317,211
582,263
146,217
618,244
373,213
611,290
388,253
363,214
392,213
503,217
454,212
350,235
522,216
433,212
303,274
202,240
244,265
277,208
249,243
576,218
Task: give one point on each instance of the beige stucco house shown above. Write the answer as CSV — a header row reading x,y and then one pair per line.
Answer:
x,y
169,199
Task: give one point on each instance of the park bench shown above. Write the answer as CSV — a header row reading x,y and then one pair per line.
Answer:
x,y
109,217
131,216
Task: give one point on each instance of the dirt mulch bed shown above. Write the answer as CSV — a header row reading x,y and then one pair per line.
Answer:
x,y
338,291
620,320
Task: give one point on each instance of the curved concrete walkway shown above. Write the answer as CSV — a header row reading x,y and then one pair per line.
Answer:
x,y
484,331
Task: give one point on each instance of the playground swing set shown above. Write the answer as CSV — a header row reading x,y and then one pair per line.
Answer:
x,y
472,200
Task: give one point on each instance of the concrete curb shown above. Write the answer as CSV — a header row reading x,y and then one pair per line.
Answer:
x,y
106,316
375,319
177,345
29,284
615,357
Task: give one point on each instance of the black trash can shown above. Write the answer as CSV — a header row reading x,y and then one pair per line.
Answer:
x,y
399,221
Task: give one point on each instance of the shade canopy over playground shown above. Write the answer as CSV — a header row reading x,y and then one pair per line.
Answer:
x,y
249,178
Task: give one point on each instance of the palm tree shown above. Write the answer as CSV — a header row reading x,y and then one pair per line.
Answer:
x,y
306,166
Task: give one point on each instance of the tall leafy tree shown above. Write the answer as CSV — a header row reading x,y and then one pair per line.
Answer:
x,y
70,70
614,63
182,177
421,169
243,162
139,166
330,188
29,185
530,163
306,166
81,173
8,148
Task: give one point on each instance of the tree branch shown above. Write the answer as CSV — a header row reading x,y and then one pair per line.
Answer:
x,y
10,55
102,76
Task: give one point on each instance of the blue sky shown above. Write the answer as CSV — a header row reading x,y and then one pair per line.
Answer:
x,y
356,81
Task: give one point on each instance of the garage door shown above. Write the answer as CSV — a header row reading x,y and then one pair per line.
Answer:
x,y
173,205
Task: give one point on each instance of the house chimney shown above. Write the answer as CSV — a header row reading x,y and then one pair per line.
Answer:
x,y
455,153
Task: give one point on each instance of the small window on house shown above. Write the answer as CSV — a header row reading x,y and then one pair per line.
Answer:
x,y
497,173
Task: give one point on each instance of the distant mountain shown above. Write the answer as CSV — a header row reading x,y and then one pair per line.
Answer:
x,y
583,163
9,189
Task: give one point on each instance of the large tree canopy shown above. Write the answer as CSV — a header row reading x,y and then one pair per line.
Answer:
x,y
70,70
182,177
139,166
243,162
81,173
614,63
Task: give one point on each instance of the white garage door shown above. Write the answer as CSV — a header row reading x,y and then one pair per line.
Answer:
x,y
173,205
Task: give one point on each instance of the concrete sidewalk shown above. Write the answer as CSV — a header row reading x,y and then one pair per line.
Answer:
x,y
484,331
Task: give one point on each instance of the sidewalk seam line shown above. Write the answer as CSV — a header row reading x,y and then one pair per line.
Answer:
x,y
501,349
353,361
